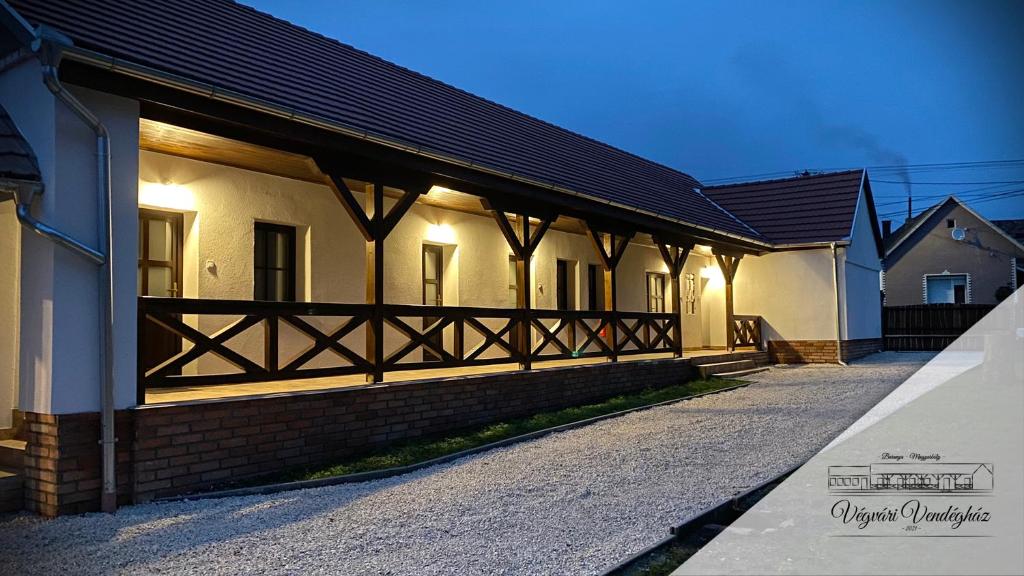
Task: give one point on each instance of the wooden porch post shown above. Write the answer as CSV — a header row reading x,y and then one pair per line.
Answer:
x,y
524,300
610,253
728,264
375,284
675,259
523,245
375,229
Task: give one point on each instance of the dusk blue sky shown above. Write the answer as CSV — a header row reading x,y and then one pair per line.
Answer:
x,y
728,90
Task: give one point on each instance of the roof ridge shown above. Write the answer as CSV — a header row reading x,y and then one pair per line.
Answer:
x,y
457,89
786,179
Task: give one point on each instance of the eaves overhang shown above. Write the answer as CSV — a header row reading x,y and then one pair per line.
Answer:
x,y
213,92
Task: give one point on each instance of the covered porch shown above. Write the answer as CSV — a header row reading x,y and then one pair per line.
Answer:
x,y
264,271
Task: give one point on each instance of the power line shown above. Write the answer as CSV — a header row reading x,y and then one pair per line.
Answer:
x,y
950,183
1018,193
961,194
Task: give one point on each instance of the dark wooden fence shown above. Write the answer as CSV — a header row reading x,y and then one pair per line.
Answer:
x,y
421,337
928,326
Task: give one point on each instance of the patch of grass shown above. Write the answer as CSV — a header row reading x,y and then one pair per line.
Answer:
x,y
421,450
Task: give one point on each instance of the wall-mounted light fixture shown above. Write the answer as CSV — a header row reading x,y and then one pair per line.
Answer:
x,y
714,276
166,195
440,233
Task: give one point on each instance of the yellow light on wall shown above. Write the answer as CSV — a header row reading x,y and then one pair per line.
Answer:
x,y
440,233
714,276
160,195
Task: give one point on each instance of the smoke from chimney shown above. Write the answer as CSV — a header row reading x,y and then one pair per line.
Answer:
x,y
854,137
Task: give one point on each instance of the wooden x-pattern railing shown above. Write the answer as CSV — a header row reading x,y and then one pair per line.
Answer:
x,y
747,331
168,314
468,337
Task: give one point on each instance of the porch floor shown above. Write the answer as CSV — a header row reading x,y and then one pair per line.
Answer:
x,y
189,393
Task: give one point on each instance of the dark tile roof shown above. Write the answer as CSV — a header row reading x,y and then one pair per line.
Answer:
x,y
17,162
1014,228
803,209
241,49
899,234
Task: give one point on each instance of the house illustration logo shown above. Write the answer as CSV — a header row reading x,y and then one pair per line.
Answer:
x,y
912,477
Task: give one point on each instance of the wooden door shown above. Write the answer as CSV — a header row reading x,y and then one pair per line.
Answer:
x,y
159,274
433,275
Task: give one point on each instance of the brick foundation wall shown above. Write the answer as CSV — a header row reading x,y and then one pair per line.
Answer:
x,y
186,447
802,351
63,472
820,351
853,349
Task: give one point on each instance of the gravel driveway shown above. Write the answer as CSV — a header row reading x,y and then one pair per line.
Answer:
x,y
570,503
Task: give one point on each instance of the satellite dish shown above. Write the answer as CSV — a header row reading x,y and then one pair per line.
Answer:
x,y
959,234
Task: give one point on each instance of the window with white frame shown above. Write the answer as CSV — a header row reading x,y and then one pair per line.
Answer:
x,y
947,289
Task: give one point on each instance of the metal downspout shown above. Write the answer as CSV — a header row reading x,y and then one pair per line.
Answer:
x,y
49,50
24,213
839,307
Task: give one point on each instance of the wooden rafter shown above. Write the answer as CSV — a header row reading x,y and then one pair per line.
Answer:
x,y
728,264
365,224
509,233
617,244
673,255
351,206
523,247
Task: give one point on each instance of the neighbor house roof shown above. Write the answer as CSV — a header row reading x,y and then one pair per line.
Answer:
x,y
239,49
1014,228
904,232
909,225
17,162
800,210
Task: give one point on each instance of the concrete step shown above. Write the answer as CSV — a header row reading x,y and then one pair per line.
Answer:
x,y
12,496
724,367
740,373
12,454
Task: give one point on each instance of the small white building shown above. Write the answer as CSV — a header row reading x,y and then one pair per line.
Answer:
x,y
290,218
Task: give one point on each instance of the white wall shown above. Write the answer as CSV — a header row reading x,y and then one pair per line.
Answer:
x,y
59,367
793,291
862,305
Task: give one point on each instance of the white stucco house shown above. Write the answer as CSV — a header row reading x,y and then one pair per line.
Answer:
x,y
235,246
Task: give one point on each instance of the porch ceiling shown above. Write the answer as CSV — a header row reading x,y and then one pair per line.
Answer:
x,y
156,136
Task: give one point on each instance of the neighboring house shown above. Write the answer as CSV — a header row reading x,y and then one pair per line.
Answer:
x,y
949,254
292,218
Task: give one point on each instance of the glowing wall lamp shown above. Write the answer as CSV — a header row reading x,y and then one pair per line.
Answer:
x,y
714,276
161,195
440,233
